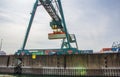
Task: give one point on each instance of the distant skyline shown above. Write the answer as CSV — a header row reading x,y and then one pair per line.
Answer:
x,y
95,23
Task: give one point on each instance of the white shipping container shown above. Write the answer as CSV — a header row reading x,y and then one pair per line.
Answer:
x,y
2,53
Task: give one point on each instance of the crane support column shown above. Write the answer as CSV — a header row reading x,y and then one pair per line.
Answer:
x,y
64,24
30,24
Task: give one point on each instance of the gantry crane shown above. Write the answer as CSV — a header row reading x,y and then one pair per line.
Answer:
x,y
57,24
116,46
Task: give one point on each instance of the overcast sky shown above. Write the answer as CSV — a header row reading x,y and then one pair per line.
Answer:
x,y
96,24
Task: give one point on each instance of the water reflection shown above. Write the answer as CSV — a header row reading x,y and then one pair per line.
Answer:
x,y
11,75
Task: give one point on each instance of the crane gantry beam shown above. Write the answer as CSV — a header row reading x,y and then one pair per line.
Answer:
x,y
56,20
47,4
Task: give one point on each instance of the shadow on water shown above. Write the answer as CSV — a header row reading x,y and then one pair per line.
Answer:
x,y
15,75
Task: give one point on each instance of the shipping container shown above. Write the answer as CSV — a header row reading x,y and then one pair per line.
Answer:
x,y
118,49
106,49
38,53
2,53
86,51
56,36
114,49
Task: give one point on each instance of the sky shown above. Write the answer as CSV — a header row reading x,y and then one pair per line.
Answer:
x,y
95,23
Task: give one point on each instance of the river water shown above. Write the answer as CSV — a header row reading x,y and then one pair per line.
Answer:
x,y
7,75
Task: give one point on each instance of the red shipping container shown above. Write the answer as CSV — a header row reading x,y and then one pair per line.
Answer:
x,y
106,49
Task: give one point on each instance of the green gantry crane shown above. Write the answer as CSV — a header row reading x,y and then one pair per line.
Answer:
x,y
57,24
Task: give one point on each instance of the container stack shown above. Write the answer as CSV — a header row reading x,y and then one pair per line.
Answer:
x,y
110,50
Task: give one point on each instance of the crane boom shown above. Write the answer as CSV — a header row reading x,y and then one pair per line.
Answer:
x,y
59,22
50,9
47,4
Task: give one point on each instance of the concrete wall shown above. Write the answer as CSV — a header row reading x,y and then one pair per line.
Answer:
x,y
79,64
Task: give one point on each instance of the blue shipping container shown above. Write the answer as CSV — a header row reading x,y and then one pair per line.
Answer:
x,y
119,50
114,49
86,51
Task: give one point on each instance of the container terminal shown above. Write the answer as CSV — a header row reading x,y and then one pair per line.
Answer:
x,y
65,61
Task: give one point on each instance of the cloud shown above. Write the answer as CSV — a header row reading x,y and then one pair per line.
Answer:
x,y
93,22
